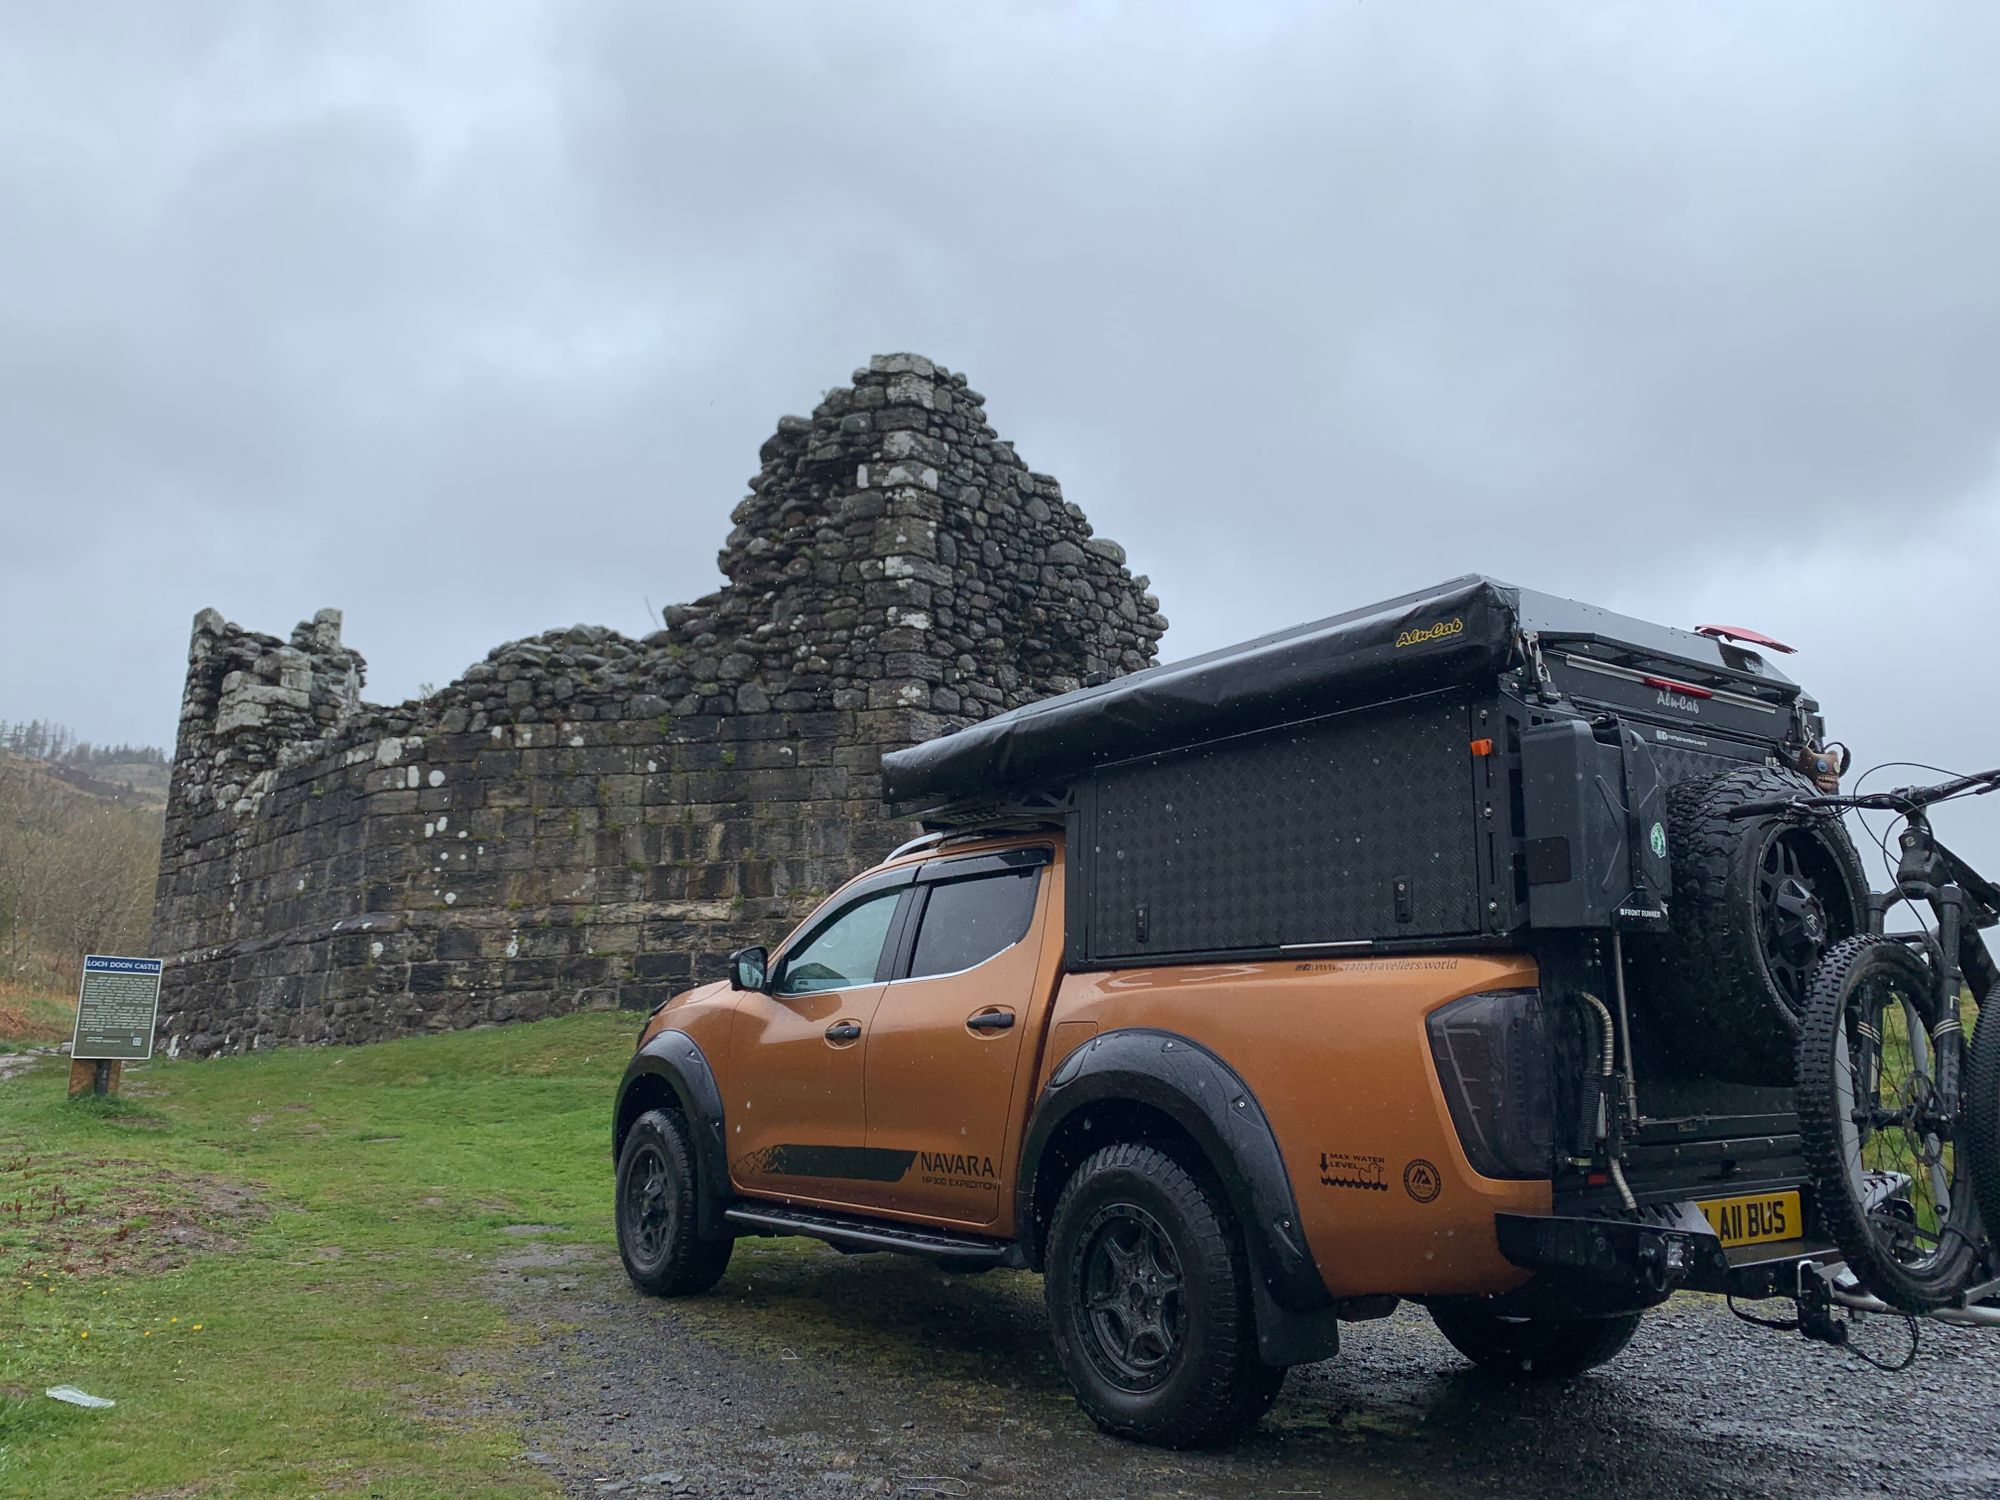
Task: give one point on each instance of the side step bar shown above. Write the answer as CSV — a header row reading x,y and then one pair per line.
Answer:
x,y
852,1232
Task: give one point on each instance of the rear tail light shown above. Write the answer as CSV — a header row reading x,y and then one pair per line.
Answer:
x,y
1493,1058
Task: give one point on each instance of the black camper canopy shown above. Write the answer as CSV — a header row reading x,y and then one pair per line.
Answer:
x,y
1463,630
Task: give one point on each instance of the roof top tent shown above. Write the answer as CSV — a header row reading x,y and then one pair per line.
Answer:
x,y
1468,629
1443,768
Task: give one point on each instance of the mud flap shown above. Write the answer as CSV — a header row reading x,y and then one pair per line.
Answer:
x,y
1289,1336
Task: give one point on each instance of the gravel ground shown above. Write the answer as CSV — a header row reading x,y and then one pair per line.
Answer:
x,y
807,1373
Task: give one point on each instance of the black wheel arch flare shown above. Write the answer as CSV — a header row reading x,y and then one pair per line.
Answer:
x,y
672,1058
1205,1097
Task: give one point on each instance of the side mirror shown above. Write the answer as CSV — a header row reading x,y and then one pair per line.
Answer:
x,y
747,968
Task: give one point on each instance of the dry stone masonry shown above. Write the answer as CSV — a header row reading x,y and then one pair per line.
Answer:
x,y
587,819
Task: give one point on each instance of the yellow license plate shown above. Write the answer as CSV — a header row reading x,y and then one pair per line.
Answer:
x,y
1755,1220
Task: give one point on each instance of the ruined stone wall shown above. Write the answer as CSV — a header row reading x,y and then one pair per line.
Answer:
x,y
584,818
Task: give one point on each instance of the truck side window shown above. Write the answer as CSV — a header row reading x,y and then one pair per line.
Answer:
x,y
966,922
844,952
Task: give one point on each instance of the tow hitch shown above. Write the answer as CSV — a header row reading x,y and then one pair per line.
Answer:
x,y
1823,1287
1817,1319
1826,1289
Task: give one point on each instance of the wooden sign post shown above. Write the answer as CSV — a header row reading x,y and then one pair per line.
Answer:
x,y
116,1010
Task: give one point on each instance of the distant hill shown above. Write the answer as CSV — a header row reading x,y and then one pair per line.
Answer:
x,y
79,851
142,783
129,773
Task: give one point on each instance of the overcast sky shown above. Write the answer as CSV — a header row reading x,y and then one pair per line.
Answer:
x,y
469,319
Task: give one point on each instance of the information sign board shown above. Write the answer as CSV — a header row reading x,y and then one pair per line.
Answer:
x,y
116,1008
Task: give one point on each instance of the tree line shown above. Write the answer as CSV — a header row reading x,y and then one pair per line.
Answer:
x,y
44,739
76,872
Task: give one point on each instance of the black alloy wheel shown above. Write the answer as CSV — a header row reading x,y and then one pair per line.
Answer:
x,y
1134,1295
659,1238
648,1206
1791,917
1148,1292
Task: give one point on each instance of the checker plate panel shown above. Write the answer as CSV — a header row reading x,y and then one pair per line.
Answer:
x,y
1294,835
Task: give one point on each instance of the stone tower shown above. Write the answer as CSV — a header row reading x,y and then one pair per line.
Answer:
x,y
583,818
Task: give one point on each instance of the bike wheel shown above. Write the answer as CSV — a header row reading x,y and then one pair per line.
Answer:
x,y
1881,1148
1982,1109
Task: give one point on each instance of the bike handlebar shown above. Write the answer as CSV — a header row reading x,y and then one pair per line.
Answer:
x,y
1903,799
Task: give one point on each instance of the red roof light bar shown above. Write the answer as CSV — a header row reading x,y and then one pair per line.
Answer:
x,y
1747,637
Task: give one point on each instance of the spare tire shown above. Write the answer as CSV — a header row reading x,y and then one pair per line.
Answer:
x,y
1755,902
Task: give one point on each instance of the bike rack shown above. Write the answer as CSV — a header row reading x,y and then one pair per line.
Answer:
x,y
1977,1308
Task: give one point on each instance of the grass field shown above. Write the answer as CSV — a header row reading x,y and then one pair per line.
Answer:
x,y
34,1016
273,1263
267,1261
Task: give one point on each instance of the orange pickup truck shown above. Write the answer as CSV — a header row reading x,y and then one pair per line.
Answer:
x,y
914,1071
1255,994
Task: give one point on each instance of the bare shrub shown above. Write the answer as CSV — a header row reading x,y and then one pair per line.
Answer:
x,y
76,873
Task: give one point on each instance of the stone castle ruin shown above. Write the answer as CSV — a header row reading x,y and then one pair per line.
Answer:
x,y
587,819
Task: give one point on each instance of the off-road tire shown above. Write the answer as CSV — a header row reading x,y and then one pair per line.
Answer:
x,y
1216,1387
1981,1141
1910,1288
664,1258
1706,985
1532,1348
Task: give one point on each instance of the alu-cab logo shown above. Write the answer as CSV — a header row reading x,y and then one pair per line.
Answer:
x,y
1442,630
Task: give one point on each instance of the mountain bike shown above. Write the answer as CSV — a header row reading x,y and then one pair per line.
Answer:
x,y
1899,1118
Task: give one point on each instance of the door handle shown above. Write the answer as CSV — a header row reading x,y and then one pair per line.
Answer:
x,y
843,1031
991,1020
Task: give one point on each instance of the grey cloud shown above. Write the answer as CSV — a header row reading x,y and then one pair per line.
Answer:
x,y
470,319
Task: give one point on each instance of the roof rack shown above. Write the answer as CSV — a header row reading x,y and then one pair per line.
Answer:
x,y
919,842
1035,807
939,837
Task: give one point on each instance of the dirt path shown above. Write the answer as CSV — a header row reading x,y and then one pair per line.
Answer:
x,y
810,1374
13,1063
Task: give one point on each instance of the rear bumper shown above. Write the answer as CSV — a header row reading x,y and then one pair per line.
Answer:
x,y
1599,1265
